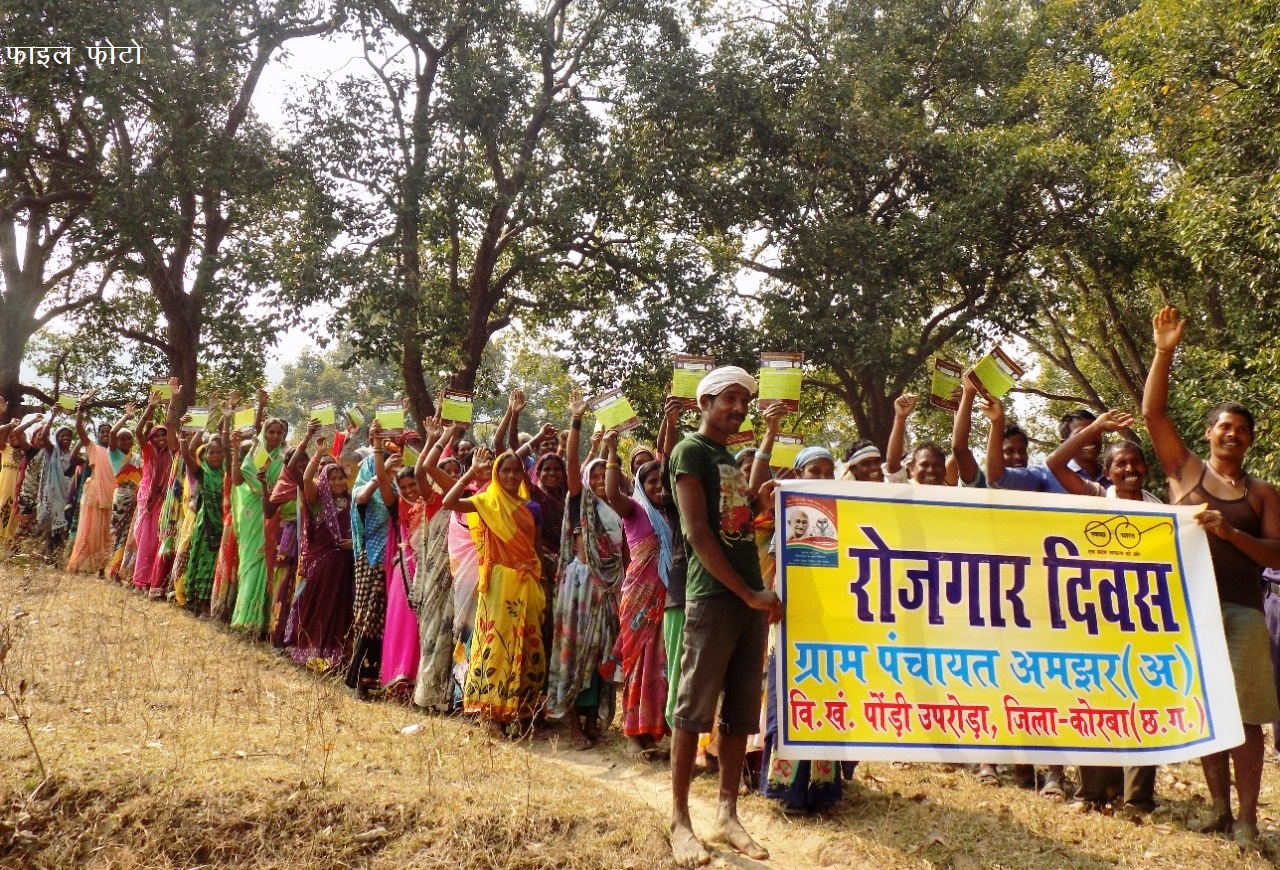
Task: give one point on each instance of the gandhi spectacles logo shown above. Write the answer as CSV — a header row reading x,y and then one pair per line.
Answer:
x,y
1119,531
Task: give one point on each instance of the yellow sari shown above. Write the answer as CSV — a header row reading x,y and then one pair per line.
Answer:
x,y
508,667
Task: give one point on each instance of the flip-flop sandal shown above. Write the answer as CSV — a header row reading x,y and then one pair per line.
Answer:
x,y
987,776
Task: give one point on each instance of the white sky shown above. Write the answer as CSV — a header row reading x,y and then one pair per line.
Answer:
x,y
306,61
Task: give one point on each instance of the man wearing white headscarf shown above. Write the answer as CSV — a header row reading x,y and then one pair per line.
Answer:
x,y
727,612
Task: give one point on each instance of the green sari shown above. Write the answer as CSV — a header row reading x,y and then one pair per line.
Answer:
x,y
206,538
253,598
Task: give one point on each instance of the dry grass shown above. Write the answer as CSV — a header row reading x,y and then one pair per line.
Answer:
x,y
171,743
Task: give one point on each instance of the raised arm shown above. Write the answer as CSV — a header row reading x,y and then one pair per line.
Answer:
x,y
81,432
1170,449
144,422
454,500
961,427
428,471
993,410
113,440
171,422
534,444
516,405
310,491
504,425
260,414
363,493
1109,421
237,473
669,431
189,448
573,468
613,493
43,436
382,475
301,453
902,408
760,473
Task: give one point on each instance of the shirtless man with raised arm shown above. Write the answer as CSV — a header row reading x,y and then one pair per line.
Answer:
x,y
1242,517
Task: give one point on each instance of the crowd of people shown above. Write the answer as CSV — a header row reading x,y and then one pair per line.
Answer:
x,y
543,579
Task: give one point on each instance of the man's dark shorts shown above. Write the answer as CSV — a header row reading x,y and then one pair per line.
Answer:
x,y
724,648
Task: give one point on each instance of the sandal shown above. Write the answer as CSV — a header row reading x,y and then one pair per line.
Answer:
x,y
987,776
1052,788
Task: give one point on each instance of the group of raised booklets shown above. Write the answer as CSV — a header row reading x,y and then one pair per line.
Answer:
x,y
543,578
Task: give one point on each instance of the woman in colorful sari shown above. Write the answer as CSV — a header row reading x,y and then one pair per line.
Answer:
x,y
173,515
551,492
259,472
157,462
12,458
320,618
431,592
128,473
639,651
464,562
586,609
291,546
208,465
508,667
54,500
369,520
398,487
226,575
92,550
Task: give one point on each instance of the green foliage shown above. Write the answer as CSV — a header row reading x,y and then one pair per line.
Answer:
x,y
874,166
332,376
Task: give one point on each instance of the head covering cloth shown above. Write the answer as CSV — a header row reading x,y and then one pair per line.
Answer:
x,y
496,507
715,381
813,454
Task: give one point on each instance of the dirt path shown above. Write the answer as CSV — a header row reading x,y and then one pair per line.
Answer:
x,y
789,848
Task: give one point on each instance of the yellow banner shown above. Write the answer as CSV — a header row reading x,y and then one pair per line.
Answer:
x,y
939,624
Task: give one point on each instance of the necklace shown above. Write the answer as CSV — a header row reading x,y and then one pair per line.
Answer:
x,y
1231,480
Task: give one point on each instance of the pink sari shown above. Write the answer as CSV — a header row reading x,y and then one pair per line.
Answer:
x,y
400,644
93,547
146,524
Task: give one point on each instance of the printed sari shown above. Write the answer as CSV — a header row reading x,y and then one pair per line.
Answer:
x,y
507,668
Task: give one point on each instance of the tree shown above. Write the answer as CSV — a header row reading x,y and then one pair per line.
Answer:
x,y
52,137
878,172
478,165
197,194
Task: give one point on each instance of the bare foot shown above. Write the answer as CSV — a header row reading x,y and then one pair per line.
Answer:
x,y
635,746
731,831
686,851
1221,823
1246,835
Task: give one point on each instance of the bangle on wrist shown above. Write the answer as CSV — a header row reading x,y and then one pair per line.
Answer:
x,y
609,465
577,423
1160,350
760,454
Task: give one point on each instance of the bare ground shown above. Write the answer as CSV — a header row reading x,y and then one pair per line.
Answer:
x,y
169,742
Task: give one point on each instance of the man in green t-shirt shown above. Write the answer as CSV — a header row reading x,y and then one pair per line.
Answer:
x,y
727,613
